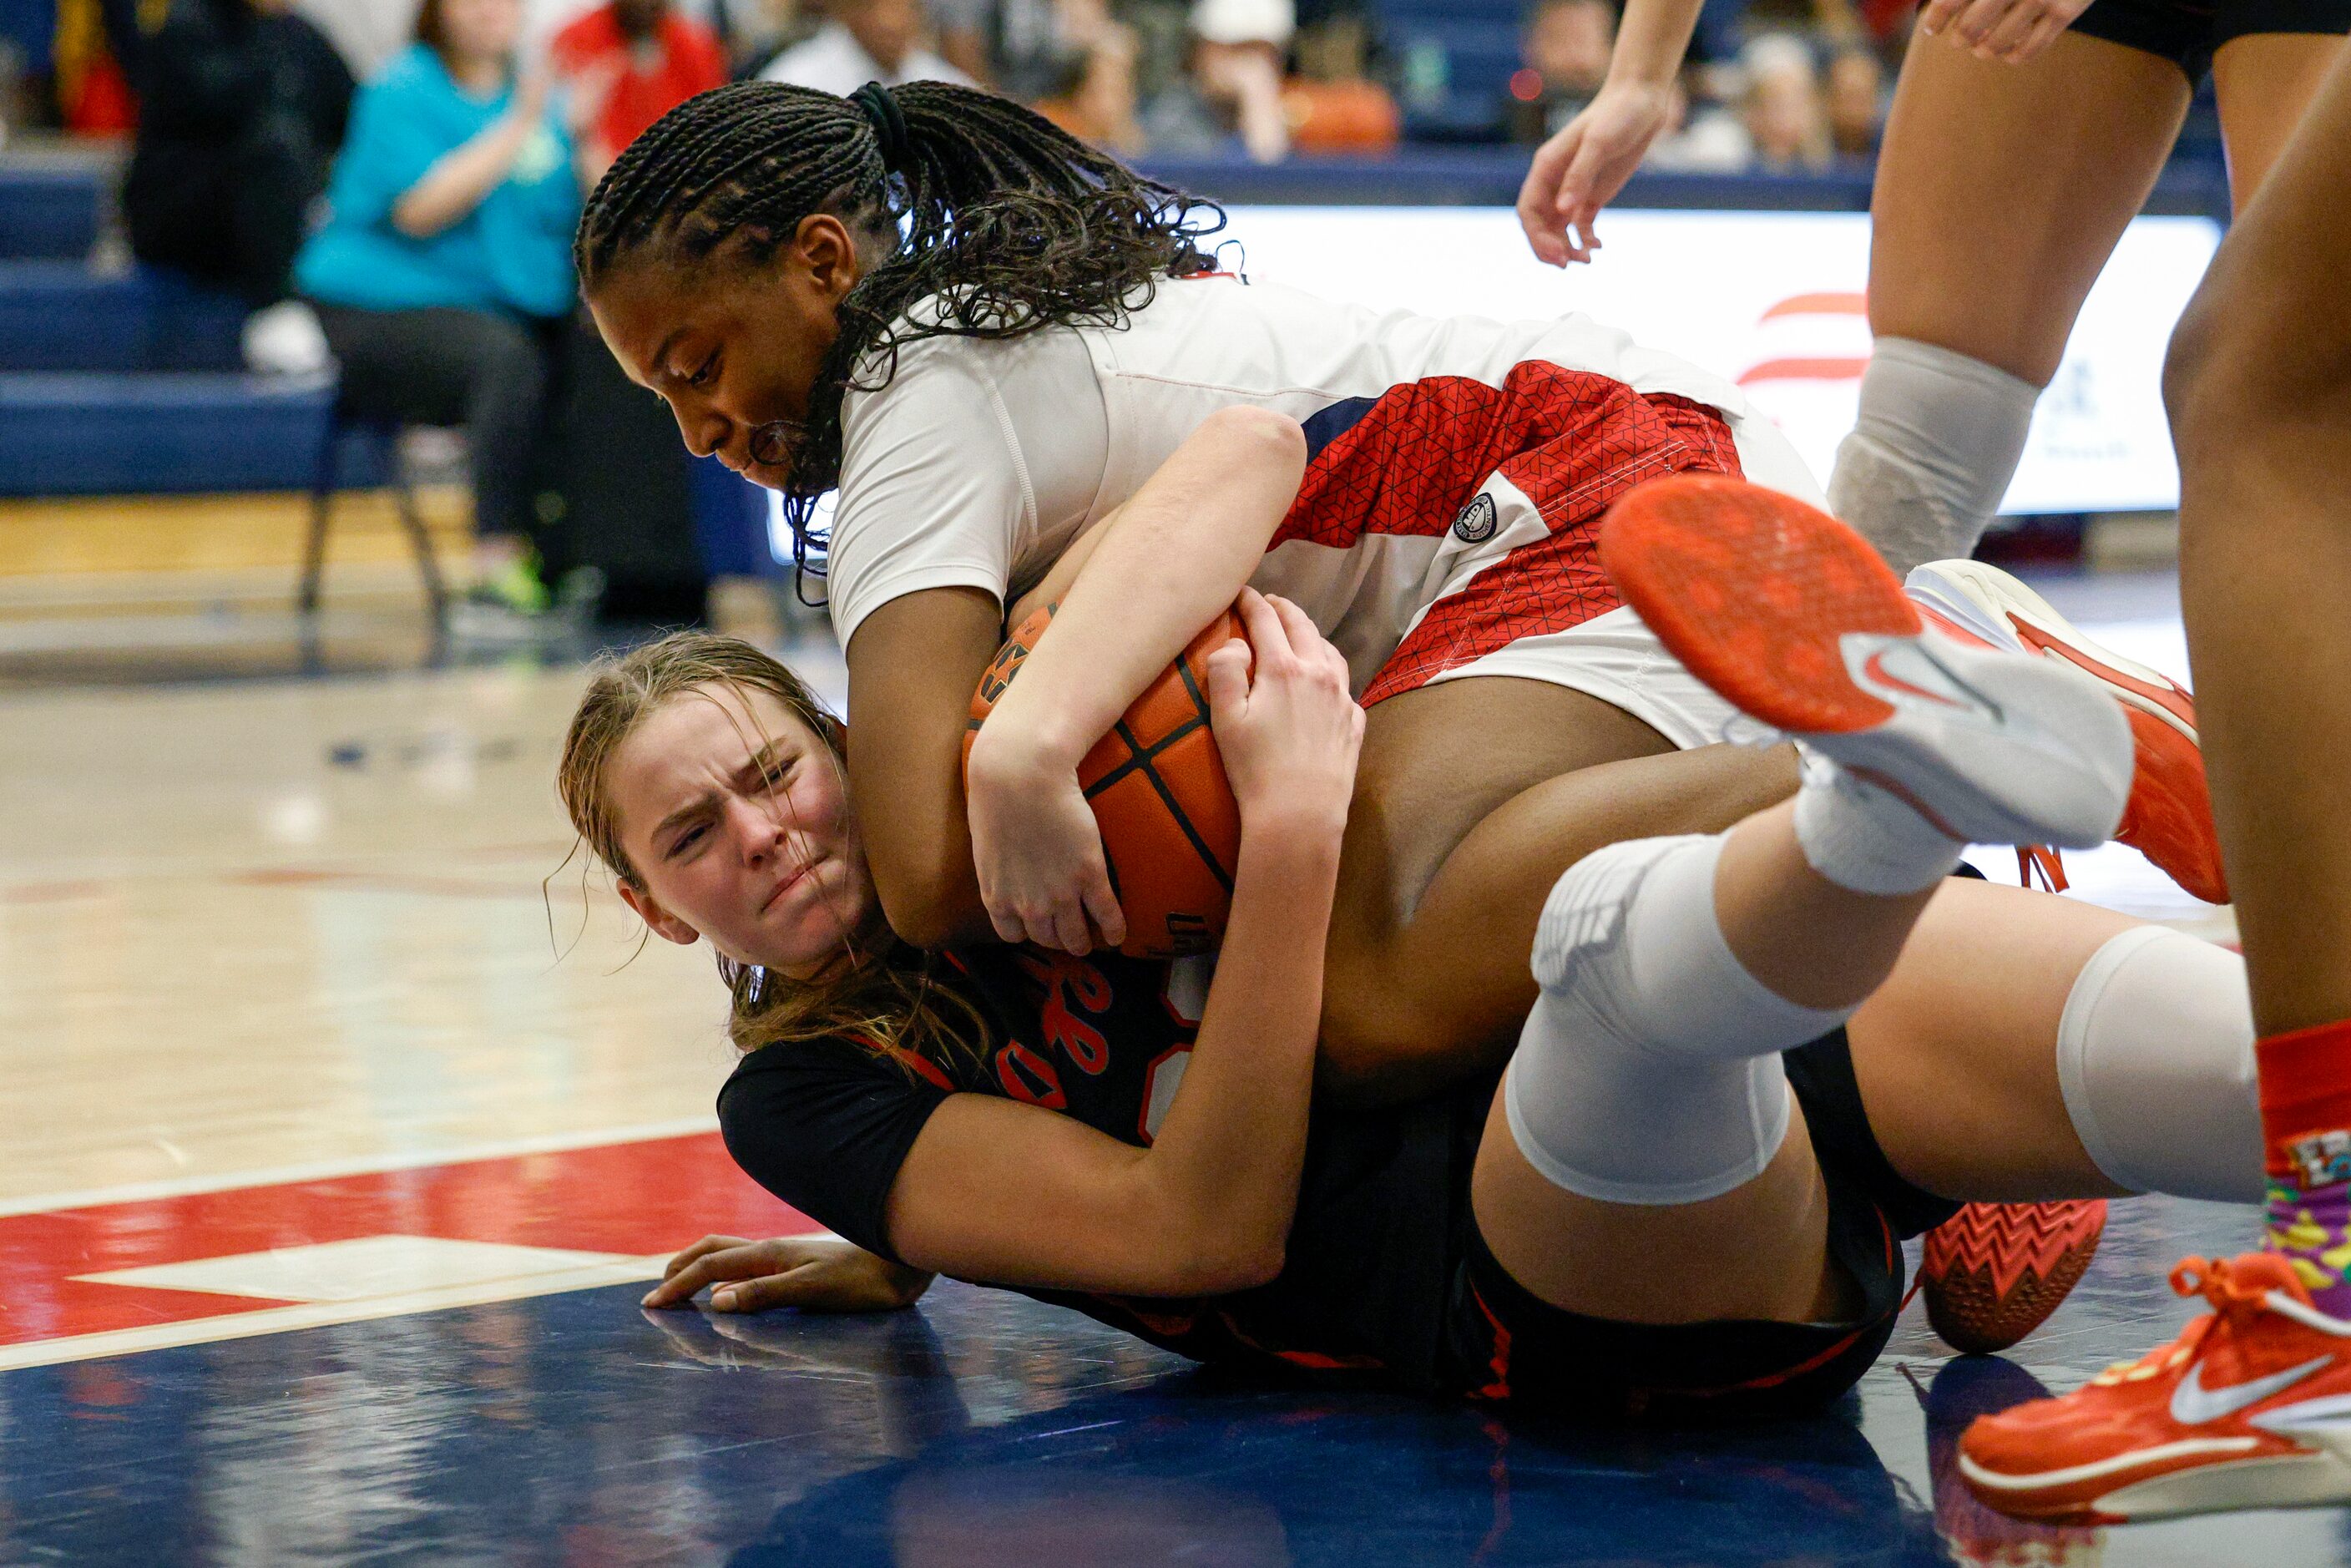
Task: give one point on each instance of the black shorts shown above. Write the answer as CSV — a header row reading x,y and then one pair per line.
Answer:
x,y
1504,1344
2188,32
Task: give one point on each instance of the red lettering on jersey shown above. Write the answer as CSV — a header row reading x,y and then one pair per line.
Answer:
x,y
1064,977
1028,1077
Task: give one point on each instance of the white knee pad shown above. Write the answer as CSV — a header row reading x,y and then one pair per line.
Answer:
x,y
2154,1056
1649,1072
1932,451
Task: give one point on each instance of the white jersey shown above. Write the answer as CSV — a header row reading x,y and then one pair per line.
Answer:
x,y
978,463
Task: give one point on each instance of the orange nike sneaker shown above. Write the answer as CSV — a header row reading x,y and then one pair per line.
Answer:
x,y
1972,1534
2170,817
1994,1272
2249,1407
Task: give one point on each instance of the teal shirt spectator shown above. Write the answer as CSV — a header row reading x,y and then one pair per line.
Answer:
x,y
512,253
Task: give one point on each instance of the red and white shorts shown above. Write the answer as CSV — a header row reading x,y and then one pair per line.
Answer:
x,y
1453,524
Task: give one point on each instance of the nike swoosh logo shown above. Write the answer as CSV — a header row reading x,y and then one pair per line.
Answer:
x,y
2192,1403
1874,668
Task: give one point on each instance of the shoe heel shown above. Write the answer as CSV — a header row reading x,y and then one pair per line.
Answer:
x,y
1754,593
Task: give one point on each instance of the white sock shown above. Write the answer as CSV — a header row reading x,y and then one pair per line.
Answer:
x,y
1863,838
1932,451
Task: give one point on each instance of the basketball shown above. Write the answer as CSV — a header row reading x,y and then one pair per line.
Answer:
x,y
1170,827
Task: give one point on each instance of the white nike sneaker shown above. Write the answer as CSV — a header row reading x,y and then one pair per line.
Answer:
x,y
1796,621
2169,819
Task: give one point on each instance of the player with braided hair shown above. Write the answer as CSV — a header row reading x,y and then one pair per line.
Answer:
x,y
1012,223
987,337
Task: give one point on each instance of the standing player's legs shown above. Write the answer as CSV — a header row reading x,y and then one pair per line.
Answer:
x,y
2001,192
2245,1408
2264,82
2259,384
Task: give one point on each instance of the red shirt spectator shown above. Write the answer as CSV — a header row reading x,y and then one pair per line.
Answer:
x,y
641,59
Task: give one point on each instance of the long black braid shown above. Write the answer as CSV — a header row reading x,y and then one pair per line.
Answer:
x,y
1012,225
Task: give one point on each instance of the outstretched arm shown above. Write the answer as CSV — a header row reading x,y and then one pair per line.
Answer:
x,y
1580,170
814,1273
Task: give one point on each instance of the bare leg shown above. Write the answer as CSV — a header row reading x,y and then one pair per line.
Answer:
x,y
1999,195
2003,189
1472,797
2265,81
2259,384
1959,1078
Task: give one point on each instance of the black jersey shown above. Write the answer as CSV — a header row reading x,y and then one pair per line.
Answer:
x,y
1383,1209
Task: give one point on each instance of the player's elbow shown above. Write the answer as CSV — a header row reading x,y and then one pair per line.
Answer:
x,y
1261,436
1219,1263
923,922
929,908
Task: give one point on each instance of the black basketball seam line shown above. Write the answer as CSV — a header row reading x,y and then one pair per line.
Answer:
x,y
1175,810
1137,754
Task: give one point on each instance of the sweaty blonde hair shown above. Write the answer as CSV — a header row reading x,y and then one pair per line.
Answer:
x,y
886,996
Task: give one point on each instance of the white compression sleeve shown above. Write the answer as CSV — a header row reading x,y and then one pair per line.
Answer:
x,y
2154,1056
1649,1072
1931,454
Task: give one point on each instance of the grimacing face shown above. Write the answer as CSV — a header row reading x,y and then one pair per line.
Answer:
x,y
735,818
731,346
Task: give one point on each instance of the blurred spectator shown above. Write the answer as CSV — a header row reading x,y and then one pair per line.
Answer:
x,y
242,106
1781,108
94,53
1700,135
1564,53
626,64
367,32
1332,104
443,272
864,41
1233,91
1095,100
1856,85
754,30
1069,60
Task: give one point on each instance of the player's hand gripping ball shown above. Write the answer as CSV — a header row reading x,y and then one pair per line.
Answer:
x,y
1170,828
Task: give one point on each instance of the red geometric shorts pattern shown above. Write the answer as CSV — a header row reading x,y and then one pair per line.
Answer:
x,y
1571,440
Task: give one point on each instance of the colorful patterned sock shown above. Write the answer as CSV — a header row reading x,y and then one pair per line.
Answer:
x,y
2305,1082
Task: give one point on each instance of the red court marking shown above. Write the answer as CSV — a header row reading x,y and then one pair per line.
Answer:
x,y
1840,367
1828,304
636,1198
383,882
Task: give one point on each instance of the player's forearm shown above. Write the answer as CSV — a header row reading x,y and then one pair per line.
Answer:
x,y
1651,41
1174,558
912,667
1224,1164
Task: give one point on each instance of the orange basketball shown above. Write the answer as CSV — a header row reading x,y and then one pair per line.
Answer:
x,y
1170,828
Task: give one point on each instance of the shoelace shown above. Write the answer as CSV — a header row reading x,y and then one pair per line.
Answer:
x,y
2229,1299
2042,859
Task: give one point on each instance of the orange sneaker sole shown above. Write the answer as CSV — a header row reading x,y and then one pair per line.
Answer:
x,y
1994,1272
1753,591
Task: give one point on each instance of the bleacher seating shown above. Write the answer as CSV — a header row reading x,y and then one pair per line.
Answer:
x,y
62,316
129,380
1459,55
159,432
50,211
